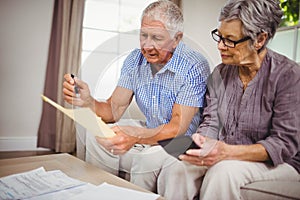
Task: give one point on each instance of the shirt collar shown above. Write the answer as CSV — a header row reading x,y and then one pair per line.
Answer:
x,y
172,65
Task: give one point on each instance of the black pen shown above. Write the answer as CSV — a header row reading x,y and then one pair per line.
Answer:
x,y
75,86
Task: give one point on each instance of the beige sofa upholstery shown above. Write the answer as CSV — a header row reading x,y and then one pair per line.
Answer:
x,y
273,190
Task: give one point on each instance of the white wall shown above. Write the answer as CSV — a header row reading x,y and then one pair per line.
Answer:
x,y
200,18
24,37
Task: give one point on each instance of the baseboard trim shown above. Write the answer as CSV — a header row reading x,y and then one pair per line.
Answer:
x,y
19,144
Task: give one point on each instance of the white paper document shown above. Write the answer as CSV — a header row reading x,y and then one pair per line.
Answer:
x,y
34,183
86,118
111,192
64,194
39,184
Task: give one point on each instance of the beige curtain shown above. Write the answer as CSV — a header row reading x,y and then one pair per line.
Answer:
x,y
57,131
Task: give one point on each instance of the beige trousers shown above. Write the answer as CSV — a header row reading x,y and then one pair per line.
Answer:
x,y
151,168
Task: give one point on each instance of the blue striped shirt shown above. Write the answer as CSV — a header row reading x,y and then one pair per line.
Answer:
x,y
182,80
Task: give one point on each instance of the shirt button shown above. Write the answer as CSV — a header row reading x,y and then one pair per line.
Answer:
x,y
153,97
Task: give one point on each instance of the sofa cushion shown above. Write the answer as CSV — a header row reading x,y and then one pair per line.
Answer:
x,y
271,190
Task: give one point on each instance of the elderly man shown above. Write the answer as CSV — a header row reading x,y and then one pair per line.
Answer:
x,y
168,81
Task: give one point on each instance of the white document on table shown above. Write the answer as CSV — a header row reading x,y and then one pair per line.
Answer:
x,y
64,194
34,183
86,118
39,184
111,192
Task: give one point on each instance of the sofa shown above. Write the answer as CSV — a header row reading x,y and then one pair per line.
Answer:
x,y
273,190
261,190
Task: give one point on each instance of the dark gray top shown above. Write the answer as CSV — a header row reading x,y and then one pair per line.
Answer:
x,y
267,112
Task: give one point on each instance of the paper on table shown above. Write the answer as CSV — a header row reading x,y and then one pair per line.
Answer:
x,y
65,193
111,192
35,182
86,118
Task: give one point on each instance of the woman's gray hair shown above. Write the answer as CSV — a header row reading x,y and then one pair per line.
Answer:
x,y
168,13
257,16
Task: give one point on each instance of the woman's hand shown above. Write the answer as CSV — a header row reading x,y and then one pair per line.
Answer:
x,y
120,143
84,100
211,151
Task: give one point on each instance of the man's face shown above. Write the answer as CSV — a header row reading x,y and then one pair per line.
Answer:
x,y
156,43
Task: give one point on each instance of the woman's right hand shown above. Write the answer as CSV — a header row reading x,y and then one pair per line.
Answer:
x,y
83,98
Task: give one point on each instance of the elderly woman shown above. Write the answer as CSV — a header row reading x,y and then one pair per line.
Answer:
x,y
253,105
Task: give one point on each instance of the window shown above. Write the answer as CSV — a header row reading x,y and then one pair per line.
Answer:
x,y
110,31
290,12
287,37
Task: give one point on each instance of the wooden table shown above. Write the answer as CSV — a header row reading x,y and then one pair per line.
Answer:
x,y
68,164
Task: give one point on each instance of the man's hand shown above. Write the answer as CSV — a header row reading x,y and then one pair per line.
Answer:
x,y
85,99
120,143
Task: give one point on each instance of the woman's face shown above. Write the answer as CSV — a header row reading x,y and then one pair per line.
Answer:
x,y
241,54
156,43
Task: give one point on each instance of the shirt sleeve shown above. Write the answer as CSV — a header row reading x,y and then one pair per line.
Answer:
x,y
210,125
192,92
284,140
127,71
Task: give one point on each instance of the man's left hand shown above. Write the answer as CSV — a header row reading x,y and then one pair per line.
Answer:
x,y
120,143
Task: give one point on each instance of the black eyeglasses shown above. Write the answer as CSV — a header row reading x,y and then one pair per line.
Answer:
x,y
227,42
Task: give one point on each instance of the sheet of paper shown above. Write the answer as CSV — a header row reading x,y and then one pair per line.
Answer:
x,y
86,118
64,194
36,182
112,192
